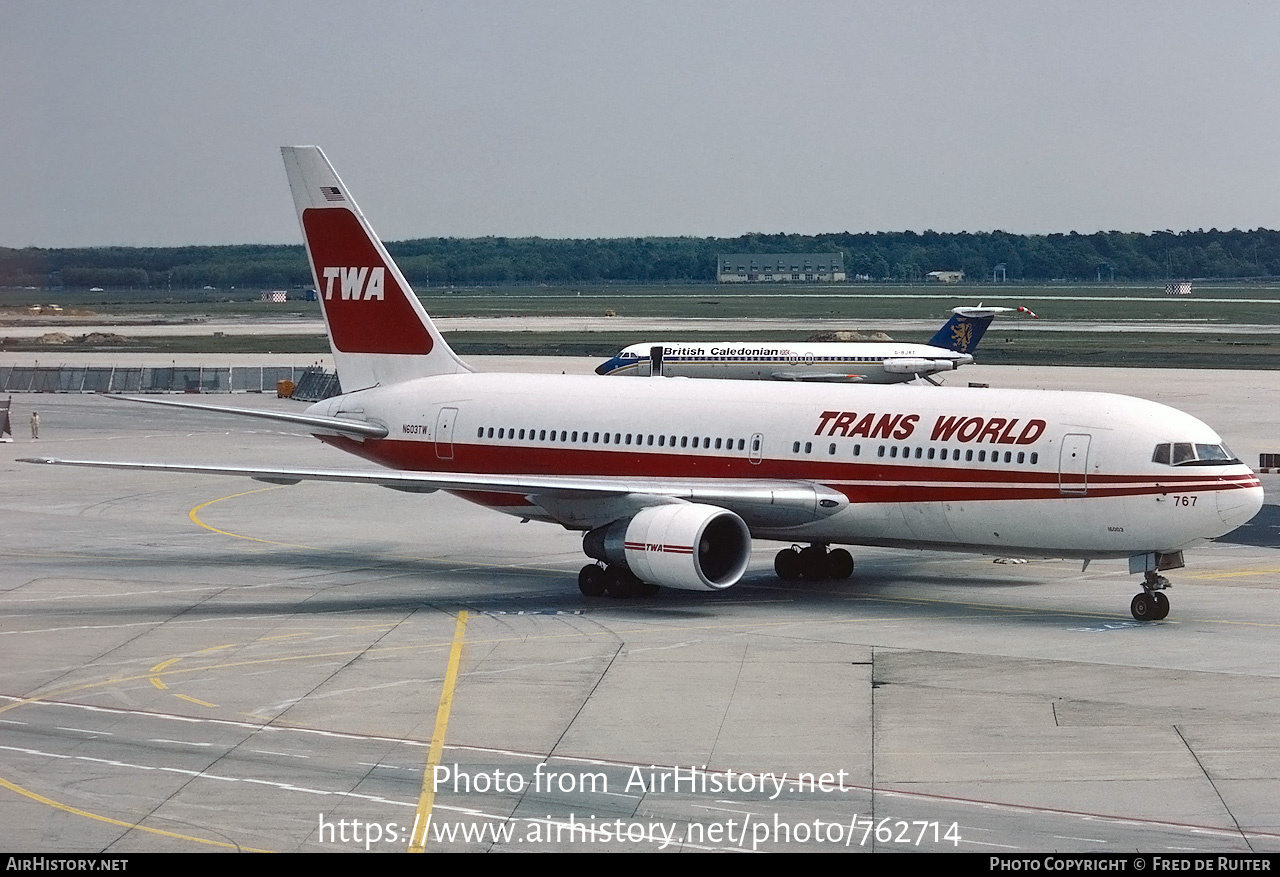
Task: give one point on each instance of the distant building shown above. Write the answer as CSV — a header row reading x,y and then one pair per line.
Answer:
x,y
781,267
946,276
274,295
1179,287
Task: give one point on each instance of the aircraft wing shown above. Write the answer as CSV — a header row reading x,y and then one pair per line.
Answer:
x,y
773,502
823,377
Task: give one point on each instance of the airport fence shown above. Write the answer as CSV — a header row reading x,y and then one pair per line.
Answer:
x,y
316,384
319,383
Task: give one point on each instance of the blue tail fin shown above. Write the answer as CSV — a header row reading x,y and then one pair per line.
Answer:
x,y
962,333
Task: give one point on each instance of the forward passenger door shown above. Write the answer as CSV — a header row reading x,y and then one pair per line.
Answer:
x,y
1073,465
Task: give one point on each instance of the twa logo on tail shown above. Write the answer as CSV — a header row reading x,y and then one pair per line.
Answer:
x,y
356,283
349,269
379,331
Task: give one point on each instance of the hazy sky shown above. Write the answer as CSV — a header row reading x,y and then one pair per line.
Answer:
x,y
158,123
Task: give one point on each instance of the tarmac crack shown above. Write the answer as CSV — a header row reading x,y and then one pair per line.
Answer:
x,y
1225,806
737,680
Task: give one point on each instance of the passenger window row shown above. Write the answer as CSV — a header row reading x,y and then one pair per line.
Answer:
x,y
590,437
907,452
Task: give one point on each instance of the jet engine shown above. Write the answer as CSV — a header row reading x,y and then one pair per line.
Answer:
x,y
917,366
689,546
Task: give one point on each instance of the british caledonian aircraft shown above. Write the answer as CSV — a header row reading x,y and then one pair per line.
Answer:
x,y
864,362
671,479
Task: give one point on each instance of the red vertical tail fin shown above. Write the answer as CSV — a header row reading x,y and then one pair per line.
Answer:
x,y
378,330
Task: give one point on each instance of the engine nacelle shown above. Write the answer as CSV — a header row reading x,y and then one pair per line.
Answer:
x,y
917,366
689,546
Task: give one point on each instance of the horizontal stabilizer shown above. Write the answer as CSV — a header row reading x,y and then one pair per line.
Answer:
x,y
991,311
319,423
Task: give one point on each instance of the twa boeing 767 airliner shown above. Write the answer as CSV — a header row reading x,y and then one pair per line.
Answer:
x,y
670,479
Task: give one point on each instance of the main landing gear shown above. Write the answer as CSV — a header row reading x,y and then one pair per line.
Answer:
x,y
814,563
615,580
1151,604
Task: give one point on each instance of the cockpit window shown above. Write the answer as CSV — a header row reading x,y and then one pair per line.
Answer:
x,y
1215,454
1189,454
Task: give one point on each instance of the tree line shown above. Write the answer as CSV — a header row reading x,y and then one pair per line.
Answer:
x,y
873,256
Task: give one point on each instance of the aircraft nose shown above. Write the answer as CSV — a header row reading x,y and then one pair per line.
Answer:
x,y
1237,507
607,366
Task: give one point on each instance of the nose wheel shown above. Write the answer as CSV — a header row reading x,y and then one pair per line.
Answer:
x,y
1151,604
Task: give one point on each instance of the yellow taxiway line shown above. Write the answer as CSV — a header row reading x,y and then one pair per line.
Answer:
x,y
418,842
130,825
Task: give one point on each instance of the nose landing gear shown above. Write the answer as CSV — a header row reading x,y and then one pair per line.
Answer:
x,y
1151,604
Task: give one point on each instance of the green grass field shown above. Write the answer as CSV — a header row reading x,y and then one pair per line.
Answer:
x,y
1239,303
1152,350
856,306
1236,304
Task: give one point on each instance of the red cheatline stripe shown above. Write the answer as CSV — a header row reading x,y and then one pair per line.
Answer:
x,y
665,549
879,481
917,493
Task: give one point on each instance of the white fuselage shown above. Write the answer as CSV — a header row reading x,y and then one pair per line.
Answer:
x,y
852,362
1009,471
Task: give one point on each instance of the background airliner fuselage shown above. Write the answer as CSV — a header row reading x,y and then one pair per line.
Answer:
x,y
829,362
867,362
